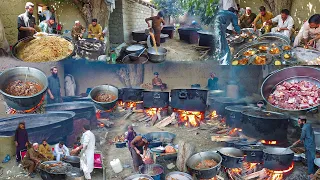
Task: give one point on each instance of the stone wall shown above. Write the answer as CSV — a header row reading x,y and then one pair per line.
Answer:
x,y
300,10
10,9
128,16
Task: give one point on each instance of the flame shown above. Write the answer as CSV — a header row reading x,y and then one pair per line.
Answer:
x,y
131,104
192,118
121,103
101,125
269,142
13,111
278,175
214,178
234,130
152,111
214,114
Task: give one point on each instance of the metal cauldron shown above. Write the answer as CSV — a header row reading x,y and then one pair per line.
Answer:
x,y
104,105
73,160
209,173
19,73
75,174
277,158
139,176
157,58
289,74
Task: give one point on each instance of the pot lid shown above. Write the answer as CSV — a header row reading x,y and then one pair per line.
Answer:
x,y
134,48
239,108
264,114
278,151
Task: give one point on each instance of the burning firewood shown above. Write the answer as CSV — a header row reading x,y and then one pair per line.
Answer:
x,y
259,174
223,138
154,119
166,121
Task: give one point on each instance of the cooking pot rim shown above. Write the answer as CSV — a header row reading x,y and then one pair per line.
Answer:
x,y
210,152
194,89
285,151
234,150
247,113
116,94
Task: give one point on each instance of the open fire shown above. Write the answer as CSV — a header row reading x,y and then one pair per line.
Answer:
x,y
279,175
266,142
190,118
29,111
152,111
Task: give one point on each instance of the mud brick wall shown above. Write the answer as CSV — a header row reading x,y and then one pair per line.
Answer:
x,y
128,16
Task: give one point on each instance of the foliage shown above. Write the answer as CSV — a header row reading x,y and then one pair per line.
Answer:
x,y
205,9
171,8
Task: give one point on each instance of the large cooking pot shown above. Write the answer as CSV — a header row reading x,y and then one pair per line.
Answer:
x,y
53,175
205,38
153,99
20,73
75,174
139,176
20,44
139,36
156,171
234,115
220,103
254,153
208,173
212,94
265,125
132,94
134,48
90,48
41,126
231,157
189,35
103,88
275,158
157,57
178,175
73,160
168,29
189,99
290,74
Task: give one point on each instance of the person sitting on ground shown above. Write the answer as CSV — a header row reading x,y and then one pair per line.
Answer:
x,y
77,31
285,23
60,151
309,33
75,145
263,16
95,30
47,26
45,150
157,82
32,159
247,19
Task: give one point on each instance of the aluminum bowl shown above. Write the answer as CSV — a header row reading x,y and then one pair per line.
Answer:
x,y
194,160
157,58
19,73
18,45
139,176
289,74
178,175
104,105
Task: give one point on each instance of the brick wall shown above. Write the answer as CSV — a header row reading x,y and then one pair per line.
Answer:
x,y
127,17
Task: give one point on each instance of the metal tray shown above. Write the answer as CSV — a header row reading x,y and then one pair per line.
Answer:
x,y
268,61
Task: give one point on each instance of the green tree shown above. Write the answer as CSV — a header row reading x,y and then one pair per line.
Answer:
x,y
205,9
171,8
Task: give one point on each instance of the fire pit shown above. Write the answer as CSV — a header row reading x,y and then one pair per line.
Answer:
x,y
234,115
41,126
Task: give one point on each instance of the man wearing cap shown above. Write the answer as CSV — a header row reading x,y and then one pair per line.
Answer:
x,y
138,146
157,82
247,19
95,30
308,139
26,22
60,151
47,26
77,31
32,159
221,22
157,25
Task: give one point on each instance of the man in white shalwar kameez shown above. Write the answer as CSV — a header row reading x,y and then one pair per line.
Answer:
x,y
87,152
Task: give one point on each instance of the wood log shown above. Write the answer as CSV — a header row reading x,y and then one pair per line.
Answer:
x,y
223,138
128,115
138,111
255,174
166,121
185,151
154,119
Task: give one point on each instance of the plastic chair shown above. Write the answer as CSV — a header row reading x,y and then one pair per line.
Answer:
x,y
98,163
23,153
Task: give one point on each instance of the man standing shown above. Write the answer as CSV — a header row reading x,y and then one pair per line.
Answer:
x,y
157,25
213,82
47,13
263,16
138,146
87,151
247,19
60,151
95,30
45,150
308,139
54,90
285,23
32,159
223,19
26,22
47,26
77,31
21,140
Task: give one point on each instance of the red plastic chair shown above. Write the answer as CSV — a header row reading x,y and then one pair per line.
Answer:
x,y
23,153
97,161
